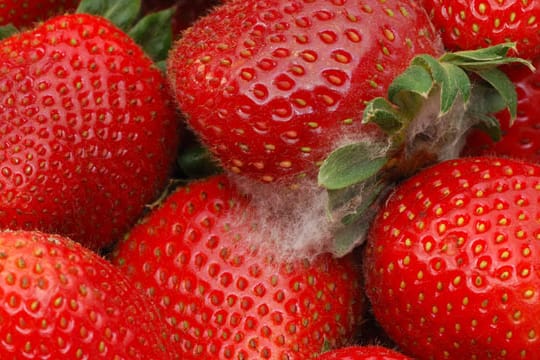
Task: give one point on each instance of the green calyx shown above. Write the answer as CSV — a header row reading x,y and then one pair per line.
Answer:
x,y
152,32
451,74
428,108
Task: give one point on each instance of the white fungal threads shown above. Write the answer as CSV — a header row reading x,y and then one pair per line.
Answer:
x,y
292,223
442,134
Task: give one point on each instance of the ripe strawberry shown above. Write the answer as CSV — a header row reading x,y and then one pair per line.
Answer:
x,y
468,24
88,130
371,352
224,300
24,13
522,138
58,300
273,86
451,259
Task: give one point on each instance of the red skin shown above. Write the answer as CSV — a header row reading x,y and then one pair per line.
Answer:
x,y
88,139
363,353
58,300
451,261
226,301
522,139
25,13
456,19
272,87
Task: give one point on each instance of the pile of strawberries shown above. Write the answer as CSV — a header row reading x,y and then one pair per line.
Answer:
x,y
269,179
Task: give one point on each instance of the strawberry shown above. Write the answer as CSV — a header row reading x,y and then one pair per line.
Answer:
x,y
26,12
223,299
272,86
468,25
58,300
371,352
88,133
451,258
520,138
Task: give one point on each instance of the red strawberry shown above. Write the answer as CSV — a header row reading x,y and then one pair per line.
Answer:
x,y
59,300
223,299
24,13
88,131
522,139
468,24
272,86
371,352
452,257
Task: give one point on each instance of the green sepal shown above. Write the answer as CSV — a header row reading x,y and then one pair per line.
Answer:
x,y
371,192
379,111
356,222
351,164
154,33
162,65
7,31
122,13
348,237
415,79
452,80
504,87
474,60
485,103
490,126
196,162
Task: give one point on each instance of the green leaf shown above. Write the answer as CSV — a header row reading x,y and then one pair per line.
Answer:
x,y
483,58
349,237
356,224
485,100
162,65
415,79
371,193
504,86
7,31
490,126
451,79
490,53
154,34
197,162
351,164
457,82
122,13
379,111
